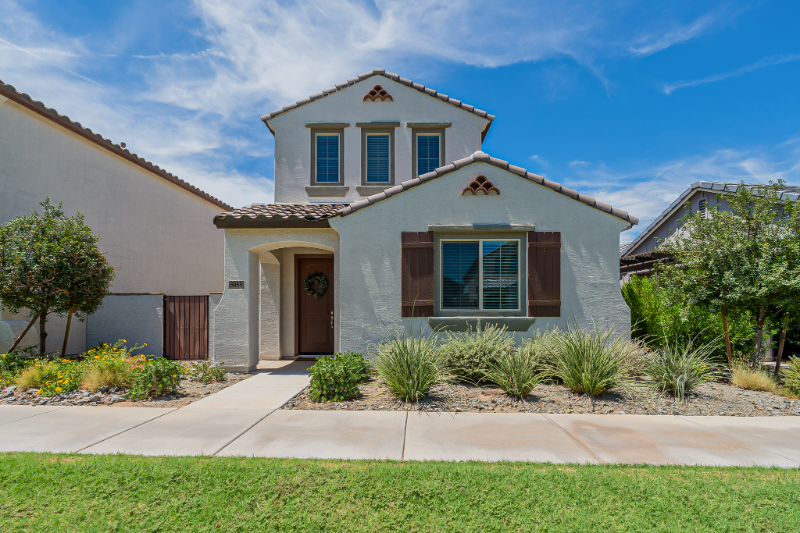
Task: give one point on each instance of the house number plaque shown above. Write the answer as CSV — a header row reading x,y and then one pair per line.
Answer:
x,y
236,284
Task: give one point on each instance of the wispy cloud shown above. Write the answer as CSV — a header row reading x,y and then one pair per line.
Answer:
x,y
658,41
765,62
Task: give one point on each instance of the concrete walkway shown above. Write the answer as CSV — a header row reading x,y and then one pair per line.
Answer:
x,y
244,420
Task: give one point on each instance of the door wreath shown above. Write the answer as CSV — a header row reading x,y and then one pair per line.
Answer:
x,y
319,280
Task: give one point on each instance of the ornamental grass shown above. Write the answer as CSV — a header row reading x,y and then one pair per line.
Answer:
x,y
679,368
409,364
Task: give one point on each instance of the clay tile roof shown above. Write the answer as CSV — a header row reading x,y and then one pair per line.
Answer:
x,y
275,215
389,75
484,158
38,107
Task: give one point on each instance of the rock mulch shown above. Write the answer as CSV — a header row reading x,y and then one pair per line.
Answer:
x,y
188,392
712,399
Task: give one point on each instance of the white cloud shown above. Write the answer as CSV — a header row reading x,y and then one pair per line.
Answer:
x,y
765,62
658,41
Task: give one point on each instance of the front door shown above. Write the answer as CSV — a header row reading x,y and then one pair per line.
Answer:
x,y
314,311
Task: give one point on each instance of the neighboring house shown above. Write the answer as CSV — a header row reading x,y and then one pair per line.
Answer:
x,y
154,228
382,192
640,255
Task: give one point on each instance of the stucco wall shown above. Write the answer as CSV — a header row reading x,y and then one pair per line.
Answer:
x,y
293,138
370,249
137,319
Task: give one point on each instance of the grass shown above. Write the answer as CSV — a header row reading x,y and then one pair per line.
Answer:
x,y
42,492
409,364
748,378
515,372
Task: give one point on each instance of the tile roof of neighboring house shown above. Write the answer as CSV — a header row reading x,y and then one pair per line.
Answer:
x,y
623,247
279,215
389,75
38,107
790,192
484,158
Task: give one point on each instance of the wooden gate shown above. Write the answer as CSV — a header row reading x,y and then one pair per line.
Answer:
x,y
186,327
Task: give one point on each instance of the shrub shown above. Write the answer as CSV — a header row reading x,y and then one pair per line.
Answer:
x,y
791,377
205,372
409,364
593,362
113,372
154,376
680,367
15,361
469,355
745,377
335,379
516,372
51,378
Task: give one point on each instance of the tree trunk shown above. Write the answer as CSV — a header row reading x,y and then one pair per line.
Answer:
x,y
780,349
66,332
759,335
30,324
727,335
42,332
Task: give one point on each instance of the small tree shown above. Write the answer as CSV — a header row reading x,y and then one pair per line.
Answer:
x,y
51,264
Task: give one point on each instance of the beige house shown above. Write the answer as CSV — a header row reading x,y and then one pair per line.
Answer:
x,y
154,228
388,214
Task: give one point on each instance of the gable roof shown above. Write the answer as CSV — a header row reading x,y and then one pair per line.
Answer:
x,y
790,192
394,77
485,158
62,120
279,215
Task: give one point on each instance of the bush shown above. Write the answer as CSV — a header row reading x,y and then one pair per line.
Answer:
x,y
791,377
205,372
410,364
154,376
15,361
748,378
516,372
469,355
112,372
51,377
680,367
336,379
593,362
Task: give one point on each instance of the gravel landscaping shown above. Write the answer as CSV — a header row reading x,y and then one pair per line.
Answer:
x,y
189,391
712,399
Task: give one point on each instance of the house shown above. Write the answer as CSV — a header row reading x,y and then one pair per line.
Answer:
x,y
154,229
388,214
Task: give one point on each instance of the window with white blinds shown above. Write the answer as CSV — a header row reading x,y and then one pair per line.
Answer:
x,y
427,153
327,155
481,274
378,158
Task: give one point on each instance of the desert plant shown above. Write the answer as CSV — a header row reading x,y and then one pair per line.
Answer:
x,y
335,379
748,378
51,377
113,373
791,377
593,362
206,372
409,363
468,355
154,376
358,364
679,367
516,372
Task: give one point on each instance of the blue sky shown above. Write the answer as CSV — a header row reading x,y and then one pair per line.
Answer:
x,y
629,101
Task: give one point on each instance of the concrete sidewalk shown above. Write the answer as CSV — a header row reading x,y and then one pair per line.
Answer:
x,y
245,420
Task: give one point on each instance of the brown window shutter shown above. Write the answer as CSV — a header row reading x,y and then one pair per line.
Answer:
x,y
544,273
417,274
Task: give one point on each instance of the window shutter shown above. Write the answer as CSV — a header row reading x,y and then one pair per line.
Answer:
x,y
544,273
416,274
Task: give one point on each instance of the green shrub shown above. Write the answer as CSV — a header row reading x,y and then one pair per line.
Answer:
x,y
409,364
791,377
678,368
206,372
516,372
468,355
593,362
51,377
154,376
336,379
15,361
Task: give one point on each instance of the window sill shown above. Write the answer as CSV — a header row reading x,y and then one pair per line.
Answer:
x,y
369,190
327,191
463,323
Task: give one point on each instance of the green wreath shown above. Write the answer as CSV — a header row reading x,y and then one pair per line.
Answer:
x,y
313,280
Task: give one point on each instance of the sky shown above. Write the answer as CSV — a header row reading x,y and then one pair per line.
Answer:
x,y
627,101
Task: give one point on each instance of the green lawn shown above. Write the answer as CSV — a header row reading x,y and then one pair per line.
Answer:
x,y
42,492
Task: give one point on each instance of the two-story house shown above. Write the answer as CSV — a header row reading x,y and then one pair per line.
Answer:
x,y
388,214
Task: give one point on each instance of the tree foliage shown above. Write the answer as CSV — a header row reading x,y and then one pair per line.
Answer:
x,y
51,264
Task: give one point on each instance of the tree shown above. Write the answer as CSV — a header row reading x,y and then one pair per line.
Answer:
x,y
51,264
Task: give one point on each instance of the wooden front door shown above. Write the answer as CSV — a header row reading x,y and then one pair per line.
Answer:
x,y
186,327
314,316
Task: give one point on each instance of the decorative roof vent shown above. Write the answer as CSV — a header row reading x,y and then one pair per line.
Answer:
x,y
480,184
378,93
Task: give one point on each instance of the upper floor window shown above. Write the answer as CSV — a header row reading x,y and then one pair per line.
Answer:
x,y
428,152
378,158
327,157
480,275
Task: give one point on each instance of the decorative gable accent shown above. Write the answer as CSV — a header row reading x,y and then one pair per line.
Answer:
x,y
378,93
480,184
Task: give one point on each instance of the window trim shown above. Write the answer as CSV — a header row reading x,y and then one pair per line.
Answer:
x,y
415,132
326,131
365,132
522,268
